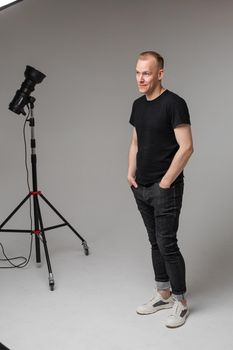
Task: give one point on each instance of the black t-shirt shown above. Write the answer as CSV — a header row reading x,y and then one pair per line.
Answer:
x,y
155,121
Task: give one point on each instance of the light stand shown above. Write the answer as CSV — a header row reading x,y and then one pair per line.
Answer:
x,y
39,229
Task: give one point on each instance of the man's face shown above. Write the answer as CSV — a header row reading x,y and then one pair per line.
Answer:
x,y
148,75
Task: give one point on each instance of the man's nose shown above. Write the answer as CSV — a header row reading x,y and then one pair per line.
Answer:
x,y
141,79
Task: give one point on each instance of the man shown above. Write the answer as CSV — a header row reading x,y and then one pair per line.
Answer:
x,y
160,148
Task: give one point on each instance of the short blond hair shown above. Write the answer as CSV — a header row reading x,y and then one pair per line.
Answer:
x,y
154,54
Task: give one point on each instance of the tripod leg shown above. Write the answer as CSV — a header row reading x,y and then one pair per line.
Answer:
x,y
84,243
14,211
51,279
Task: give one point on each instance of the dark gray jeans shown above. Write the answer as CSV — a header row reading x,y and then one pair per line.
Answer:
x,y
160,210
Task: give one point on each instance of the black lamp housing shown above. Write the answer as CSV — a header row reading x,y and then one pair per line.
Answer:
x,y
22,96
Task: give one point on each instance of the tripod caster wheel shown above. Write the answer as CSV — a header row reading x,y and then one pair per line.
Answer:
x,y
51,282
51,286
85,247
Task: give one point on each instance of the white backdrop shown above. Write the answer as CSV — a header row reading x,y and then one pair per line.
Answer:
x,y
88,51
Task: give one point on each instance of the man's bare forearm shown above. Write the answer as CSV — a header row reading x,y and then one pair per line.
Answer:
x,y
177,165
132,162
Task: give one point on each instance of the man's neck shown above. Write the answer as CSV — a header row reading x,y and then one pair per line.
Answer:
x,y
156,93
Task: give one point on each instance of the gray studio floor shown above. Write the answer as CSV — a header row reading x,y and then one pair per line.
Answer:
x,y
93,305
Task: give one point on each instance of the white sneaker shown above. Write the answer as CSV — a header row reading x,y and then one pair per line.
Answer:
x,y
155,304
178,315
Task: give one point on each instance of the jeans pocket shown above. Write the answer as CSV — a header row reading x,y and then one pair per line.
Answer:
x,y
165,189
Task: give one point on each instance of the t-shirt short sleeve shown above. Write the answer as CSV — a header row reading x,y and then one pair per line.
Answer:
x,y
132,118
179,113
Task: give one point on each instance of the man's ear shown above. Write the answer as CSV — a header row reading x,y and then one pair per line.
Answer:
x,y
161,74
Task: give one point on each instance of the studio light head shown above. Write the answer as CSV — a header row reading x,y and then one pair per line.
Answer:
x,y
22,96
